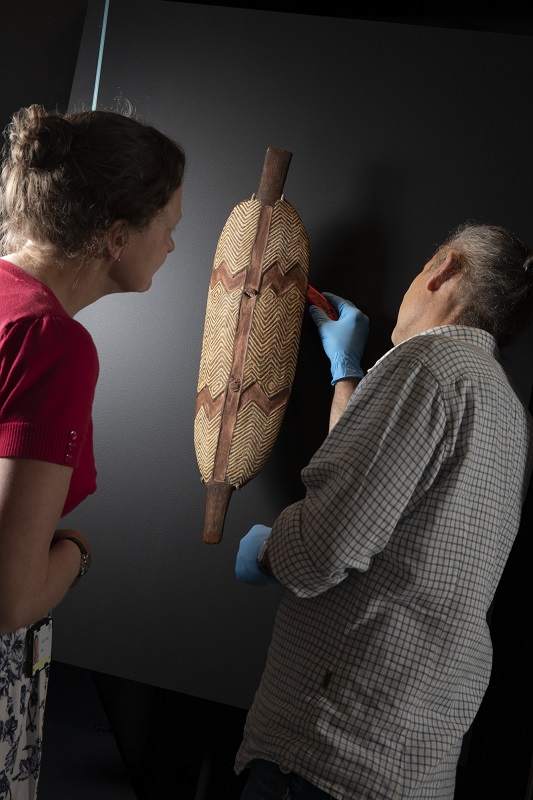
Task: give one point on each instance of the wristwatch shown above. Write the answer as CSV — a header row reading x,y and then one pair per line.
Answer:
x,y
85,561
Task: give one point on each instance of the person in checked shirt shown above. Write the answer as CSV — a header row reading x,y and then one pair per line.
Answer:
x,y
381,651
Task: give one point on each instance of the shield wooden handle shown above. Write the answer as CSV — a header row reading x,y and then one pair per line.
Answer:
x,y
275,168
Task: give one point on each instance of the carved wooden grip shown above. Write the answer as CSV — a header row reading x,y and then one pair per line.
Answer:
x,y
275,168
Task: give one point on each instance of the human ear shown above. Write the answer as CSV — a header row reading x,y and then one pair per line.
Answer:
x,y
117,238
448,267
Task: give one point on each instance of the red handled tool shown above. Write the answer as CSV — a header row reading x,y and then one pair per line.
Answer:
x,y
315,298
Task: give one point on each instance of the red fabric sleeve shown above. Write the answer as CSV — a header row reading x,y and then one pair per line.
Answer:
x,y
48,374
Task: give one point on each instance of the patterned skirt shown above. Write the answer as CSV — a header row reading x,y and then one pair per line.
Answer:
x,y
22,702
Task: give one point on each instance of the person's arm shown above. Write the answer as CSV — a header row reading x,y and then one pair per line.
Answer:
x,y
253,565
390,439
48,375
36,568
343,391
343,341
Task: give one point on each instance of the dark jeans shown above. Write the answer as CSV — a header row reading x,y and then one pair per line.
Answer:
x,y
267,782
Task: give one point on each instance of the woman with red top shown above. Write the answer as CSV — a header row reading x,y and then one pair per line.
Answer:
x,y
88,203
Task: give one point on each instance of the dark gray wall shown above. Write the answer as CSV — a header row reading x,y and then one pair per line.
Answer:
x,y
40,68
398,133
39,53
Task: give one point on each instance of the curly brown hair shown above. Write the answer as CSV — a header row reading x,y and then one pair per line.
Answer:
x,y
66,177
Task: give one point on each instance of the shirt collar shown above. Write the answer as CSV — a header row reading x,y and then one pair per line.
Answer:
x,y
475,336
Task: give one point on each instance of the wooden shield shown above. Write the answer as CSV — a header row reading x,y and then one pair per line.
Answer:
x,y
252,329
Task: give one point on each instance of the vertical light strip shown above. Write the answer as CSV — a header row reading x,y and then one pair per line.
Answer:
x,y
100,54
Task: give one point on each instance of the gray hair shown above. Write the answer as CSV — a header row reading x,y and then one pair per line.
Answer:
x,y
496,278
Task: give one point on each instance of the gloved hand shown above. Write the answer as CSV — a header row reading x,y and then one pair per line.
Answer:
x,y
247,567
343,339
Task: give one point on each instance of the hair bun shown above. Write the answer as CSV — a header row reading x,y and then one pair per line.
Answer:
x,y
39,139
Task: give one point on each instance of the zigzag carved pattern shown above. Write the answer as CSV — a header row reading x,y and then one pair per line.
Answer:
x,y
237,237
254,405
274,341
221,274
280,281
221,317
287,242
272,345
212,405
206,431
252,442
275,276
223,310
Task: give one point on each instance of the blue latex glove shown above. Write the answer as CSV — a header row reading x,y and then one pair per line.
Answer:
x,y
247,567
343,339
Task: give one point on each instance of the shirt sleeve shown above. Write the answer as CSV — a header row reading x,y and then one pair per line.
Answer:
x,y
48,374
381,456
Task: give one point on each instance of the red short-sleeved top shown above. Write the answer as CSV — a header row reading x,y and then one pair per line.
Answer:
x,y
48,373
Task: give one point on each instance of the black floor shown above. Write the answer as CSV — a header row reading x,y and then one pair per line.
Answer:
x,y
81,759
107,738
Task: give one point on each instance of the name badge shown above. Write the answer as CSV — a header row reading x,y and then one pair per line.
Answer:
x,y
39,645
